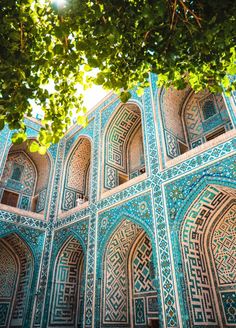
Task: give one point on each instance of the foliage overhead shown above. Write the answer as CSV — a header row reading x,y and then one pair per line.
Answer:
x,y
42,43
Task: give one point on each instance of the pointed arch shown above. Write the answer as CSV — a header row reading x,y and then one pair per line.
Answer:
x,y
204,116
122,256
120,129
207,300
190,119
15,311
28,189
67,290
77,174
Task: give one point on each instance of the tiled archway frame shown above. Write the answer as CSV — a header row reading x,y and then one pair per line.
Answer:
x,y
180,195
137,210
108,115
32,132
101,119
34,239
79,231
70,151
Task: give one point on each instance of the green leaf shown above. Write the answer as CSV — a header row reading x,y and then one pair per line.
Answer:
x,y
18,137
42,150
82,120
125,96
2,124
34,147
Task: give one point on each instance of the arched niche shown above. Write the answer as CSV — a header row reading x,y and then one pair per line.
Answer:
x,y
191,119
208,246
123,147
128,296
67,291
77,175
205,117
25,179
16,272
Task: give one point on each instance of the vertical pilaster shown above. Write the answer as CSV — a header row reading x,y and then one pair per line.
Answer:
x,y
170,316
91,255
43,295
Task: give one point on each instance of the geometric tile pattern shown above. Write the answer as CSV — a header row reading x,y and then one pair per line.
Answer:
x,y
115,303
140,315
204,113
224,247
121,128
144,294
24,202
41,200
154,203
141,266
77,174
111,177
26,184
53,209
201,300
229,302
171,145
8,279
22,288
77,165
66,290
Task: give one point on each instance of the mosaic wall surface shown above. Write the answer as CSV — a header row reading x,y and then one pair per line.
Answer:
x,y
117,138
66,294
18,305
204,113
127,283
202,298
28,175
42,163
144,295
19,174
165,276
223,248
8,277
116,288
189,118
171,102
77,174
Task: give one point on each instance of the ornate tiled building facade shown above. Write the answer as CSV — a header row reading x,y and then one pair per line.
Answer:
x,y
128,222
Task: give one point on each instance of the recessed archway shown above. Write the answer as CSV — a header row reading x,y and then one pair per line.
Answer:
x,y
129,298
67,289
16,272
208,244
24,183
191,119
123,147
77,175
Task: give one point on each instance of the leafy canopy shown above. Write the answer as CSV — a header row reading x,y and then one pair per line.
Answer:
x,y
42,43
